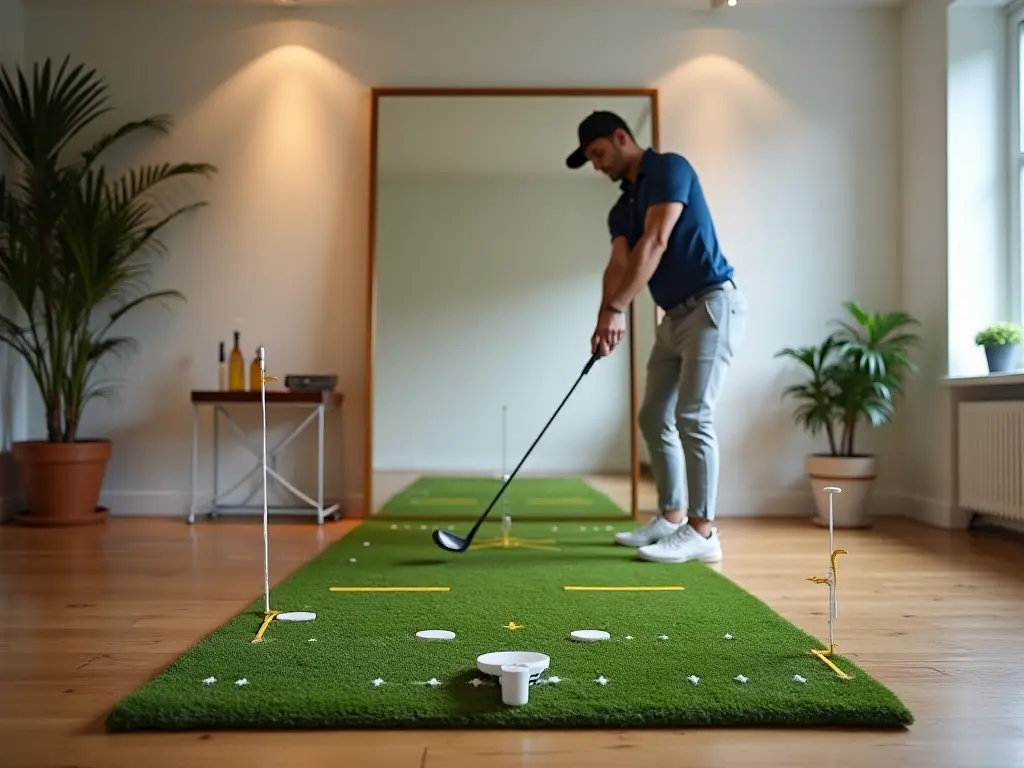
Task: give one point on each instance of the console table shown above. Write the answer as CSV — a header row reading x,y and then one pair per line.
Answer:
x,y
316,403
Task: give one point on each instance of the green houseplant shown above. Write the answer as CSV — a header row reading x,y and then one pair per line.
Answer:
x,y
76,246
854,376
1001,342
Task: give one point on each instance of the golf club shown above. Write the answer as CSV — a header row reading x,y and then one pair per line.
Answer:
x,y
448,540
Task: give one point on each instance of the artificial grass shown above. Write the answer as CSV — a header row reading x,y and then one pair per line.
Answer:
x,y
320,673
528,498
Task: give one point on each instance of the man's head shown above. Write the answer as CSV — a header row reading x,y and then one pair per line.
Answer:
x,y
607,142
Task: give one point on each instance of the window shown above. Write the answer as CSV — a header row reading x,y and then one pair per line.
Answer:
x,y
1015,51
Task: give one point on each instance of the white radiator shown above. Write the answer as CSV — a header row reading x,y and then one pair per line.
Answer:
x,y
991,458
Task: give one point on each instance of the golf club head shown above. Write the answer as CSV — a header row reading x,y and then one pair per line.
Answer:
x,y
448,540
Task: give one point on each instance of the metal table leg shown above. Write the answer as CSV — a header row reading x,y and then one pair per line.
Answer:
x,y
195,465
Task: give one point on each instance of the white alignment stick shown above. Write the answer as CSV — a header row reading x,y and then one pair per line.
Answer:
x,y
506,522
266,525
833,607
504,436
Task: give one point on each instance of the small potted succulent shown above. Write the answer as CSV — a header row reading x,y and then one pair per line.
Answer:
x,y
1001,342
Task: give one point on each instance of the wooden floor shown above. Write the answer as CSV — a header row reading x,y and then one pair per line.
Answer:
x,y
88,615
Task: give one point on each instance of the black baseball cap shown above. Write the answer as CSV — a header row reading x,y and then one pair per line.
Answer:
x,y
597,125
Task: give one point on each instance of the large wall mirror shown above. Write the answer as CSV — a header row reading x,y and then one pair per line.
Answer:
x,y
486,263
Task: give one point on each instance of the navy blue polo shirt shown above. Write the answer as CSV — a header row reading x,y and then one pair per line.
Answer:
x,y
693,259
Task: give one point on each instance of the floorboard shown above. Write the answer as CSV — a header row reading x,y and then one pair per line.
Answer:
x,y
90,614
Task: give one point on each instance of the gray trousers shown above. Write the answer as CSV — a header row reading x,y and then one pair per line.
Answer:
x,y
694,346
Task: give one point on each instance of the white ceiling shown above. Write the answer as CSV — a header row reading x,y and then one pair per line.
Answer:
x,y
493,134
696,5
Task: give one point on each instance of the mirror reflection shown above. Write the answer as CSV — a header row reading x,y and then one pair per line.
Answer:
x,y
488,257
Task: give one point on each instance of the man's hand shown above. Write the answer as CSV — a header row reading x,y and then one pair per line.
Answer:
x,y
610,330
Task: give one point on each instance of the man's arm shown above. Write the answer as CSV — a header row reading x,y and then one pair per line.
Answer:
x,y
669,180
646,256
616,270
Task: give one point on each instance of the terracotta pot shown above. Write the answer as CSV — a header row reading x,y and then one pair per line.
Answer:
x,y
62,481
855,476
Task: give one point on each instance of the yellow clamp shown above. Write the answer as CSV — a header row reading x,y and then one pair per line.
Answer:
x,y
835,568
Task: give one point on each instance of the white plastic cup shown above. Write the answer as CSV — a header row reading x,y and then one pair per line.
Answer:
x,y
515,684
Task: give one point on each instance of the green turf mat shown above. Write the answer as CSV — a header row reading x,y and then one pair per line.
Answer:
x,y
529,498
320,673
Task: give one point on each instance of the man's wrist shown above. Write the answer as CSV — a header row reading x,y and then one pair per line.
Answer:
x,y
609,307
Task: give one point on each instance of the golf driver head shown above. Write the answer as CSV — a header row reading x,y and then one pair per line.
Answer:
x,y
448,540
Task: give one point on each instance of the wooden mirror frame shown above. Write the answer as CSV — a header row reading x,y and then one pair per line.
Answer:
x,y
371,303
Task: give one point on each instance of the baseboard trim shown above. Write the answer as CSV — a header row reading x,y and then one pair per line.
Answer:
x,y
176,504
933,512
8,508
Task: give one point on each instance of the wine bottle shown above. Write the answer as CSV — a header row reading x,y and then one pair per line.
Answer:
x,y
236,368
222,368
255,373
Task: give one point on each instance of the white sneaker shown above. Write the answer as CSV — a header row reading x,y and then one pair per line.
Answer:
x,y
682,546
656,530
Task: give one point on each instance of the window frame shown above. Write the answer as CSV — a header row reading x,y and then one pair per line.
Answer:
x,y
1015,156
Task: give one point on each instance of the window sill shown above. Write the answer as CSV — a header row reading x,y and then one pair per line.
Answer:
x,y
1015,378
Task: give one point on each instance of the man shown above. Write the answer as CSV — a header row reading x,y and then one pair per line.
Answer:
x,y
663,236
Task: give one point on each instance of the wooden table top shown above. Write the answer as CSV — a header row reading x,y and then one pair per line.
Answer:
x,y
274,396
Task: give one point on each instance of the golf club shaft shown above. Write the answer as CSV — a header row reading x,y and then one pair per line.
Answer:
x,y
522,461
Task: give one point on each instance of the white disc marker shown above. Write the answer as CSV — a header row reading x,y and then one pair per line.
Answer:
x,y
435,634
589,635
296,616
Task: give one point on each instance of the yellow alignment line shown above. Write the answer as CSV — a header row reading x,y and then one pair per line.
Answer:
x,y
562,501
267,618
624,589
821,655
440,500
389,589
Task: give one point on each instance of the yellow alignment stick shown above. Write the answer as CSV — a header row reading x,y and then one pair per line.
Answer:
x,y
623,589
267,618
823,655
389,589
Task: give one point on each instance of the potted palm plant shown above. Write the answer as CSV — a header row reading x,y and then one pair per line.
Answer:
x,y
76,246
854,376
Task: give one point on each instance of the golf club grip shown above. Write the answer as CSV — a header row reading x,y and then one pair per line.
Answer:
x,y
522,461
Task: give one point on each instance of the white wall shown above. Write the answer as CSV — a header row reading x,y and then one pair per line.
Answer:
x,y
12,371
924,231
978,155
791,116
487,292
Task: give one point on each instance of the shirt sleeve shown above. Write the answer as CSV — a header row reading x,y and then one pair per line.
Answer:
x,y
617,221
670,181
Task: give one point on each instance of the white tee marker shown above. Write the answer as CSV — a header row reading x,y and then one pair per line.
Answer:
x,y
435,634
589,635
